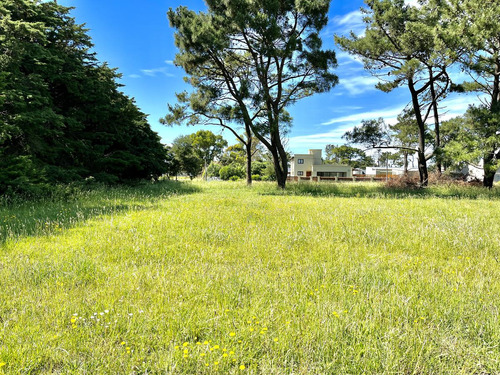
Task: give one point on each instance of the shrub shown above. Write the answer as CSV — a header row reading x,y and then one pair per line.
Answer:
x,y
231,170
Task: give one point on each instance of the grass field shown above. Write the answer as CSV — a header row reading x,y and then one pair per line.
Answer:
x,y
202,278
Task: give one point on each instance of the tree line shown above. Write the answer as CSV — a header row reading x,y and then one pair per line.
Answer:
x,y
63,117
248,61
205,153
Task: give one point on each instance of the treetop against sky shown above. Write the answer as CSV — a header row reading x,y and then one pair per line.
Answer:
x,y
135,37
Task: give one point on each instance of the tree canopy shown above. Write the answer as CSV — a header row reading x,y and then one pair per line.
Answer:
x,y
248,60
402,46
62,115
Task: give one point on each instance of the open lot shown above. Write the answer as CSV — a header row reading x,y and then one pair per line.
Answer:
x,y
184,278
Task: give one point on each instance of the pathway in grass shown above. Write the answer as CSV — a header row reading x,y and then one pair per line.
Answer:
x,y
231,280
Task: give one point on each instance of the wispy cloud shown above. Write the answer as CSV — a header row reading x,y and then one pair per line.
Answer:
x,y
340,125
358,85
157,71
352,21
388,114
134,76
169,62
345,58
449,108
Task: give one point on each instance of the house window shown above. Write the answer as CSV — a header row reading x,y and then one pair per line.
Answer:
x,y
300,173
300,161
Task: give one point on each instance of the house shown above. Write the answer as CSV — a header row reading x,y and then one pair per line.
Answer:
x,y
476,172
311,165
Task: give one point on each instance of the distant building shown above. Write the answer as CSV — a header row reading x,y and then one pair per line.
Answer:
x,y
476,172
388,171
311,165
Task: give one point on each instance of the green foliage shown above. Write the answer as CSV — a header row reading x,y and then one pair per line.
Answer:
x,y
207,145
347,155
62,116
371,133
472,138
189,160
213,170
404,44
232,170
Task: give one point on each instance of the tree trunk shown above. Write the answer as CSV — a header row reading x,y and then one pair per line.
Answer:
x,y
422,169
248,147
437,137
489,170
422,161
280,174
405,163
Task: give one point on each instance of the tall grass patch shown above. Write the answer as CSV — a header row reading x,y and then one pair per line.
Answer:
x,y
221,278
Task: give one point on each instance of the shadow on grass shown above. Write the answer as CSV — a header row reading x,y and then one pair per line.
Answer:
x,y
377,190
72,205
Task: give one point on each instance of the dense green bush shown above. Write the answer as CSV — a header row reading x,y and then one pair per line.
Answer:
x,y
63,117
231,170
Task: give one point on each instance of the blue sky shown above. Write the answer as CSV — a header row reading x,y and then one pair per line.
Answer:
x,y
134,36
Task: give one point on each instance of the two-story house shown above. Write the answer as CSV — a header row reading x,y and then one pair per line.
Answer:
x,y
311,165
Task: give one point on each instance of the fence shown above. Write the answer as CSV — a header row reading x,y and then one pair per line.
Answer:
x,y
336,179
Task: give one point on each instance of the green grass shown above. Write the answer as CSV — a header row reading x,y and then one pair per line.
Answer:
x,y
318,279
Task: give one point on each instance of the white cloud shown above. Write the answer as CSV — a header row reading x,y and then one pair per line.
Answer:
x,y
358,85
169,62
353,18
413,3
134,76
352,21
453,106
388,114
154,72
342,124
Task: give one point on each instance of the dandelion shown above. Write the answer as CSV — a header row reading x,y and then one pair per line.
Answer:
x,y
123,343
185,351
202,355
224,355
185,356
185,344
216,347
231,352
242,367
216,363
275,339
2,364
232,334
251,330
